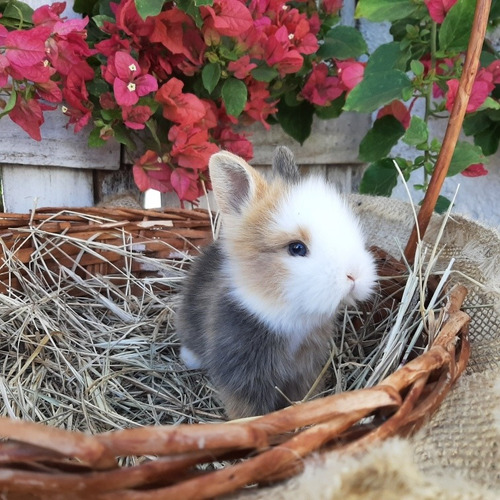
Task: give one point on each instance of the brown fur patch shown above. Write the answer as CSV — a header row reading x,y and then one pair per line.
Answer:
x,y
259,247
278,241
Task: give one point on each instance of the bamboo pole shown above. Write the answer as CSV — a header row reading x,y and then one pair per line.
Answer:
x,y
454,127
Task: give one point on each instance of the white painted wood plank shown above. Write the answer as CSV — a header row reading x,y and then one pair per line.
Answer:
x,y
26,187
59,146
330,142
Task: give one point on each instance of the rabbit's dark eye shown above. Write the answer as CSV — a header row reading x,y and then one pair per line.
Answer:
x,y
297,249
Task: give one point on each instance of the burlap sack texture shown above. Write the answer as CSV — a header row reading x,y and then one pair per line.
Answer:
x,y
455,455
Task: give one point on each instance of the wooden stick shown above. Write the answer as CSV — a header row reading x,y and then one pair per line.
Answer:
x,y
454,125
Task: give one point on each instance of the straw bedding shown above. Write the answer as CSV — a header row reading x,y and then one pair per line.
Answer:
x,y
89,351
87,341
95,352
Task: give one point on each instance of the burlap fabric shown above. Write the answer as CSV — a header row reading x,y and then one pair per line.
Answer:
x,y
456,453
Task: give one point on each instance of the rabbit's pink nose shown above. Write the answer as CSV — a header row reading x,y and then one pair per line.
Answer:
x,y
350,277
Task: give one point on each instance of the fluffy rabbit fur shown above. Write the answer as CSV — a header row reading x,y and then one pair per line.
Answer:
x,y
258,306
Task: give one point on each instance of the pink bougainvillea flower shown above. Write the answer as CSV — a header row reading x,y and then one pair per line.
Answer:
x,y
350,73
242,67
78,107
3,34
439,8
153,172
281,54
170,27
259,104
113,44
26,48
191,147
481,88
4,75
443,67
398,110
74,26
476,170
179,107
321,89
49,91
39,73
299,31
28,114
209,119
185,184
128,81
331,6
67,49
494,69
107,101
192,58
48,15
130,22
226,17
150,171
135,117
236,143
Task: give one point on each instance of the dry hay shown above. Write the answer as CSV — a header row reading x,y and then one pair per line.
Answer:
x,y
96,353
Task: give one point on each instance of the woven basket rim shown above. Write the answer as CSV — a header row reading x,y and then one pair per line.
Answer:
x,y
277,442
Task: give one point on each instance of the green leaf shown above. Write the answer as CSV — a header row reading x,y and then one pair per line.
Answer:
x,y
380,139
417,67
384,80
493,115
95,140
99,20
10,104
488,139
85,7
103,7
490,103
465,154
296,121
376,90
234,95
264,73
153,129
343,42
211,76
442,204
122,135
417,132
97,87
111,114
198,3
385,10
486,58
191,9
380,178
387,56
18,11
332,111
495,10
147,8
476,122
150,102
456,28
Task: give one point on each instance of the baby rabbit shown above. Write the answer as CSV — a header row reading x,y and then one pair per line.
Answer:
x,y
258,307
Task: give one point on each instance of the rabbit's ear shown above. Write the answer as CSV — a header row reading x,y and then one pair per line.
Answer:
x,y
284,165
234,181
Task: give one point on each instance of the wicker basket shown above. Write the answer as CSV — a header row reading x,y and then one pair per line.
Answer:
x,y
158,234
38,461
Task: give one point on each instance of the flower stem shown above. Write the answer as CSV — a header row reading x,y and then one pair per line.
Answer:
x,y
428,92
